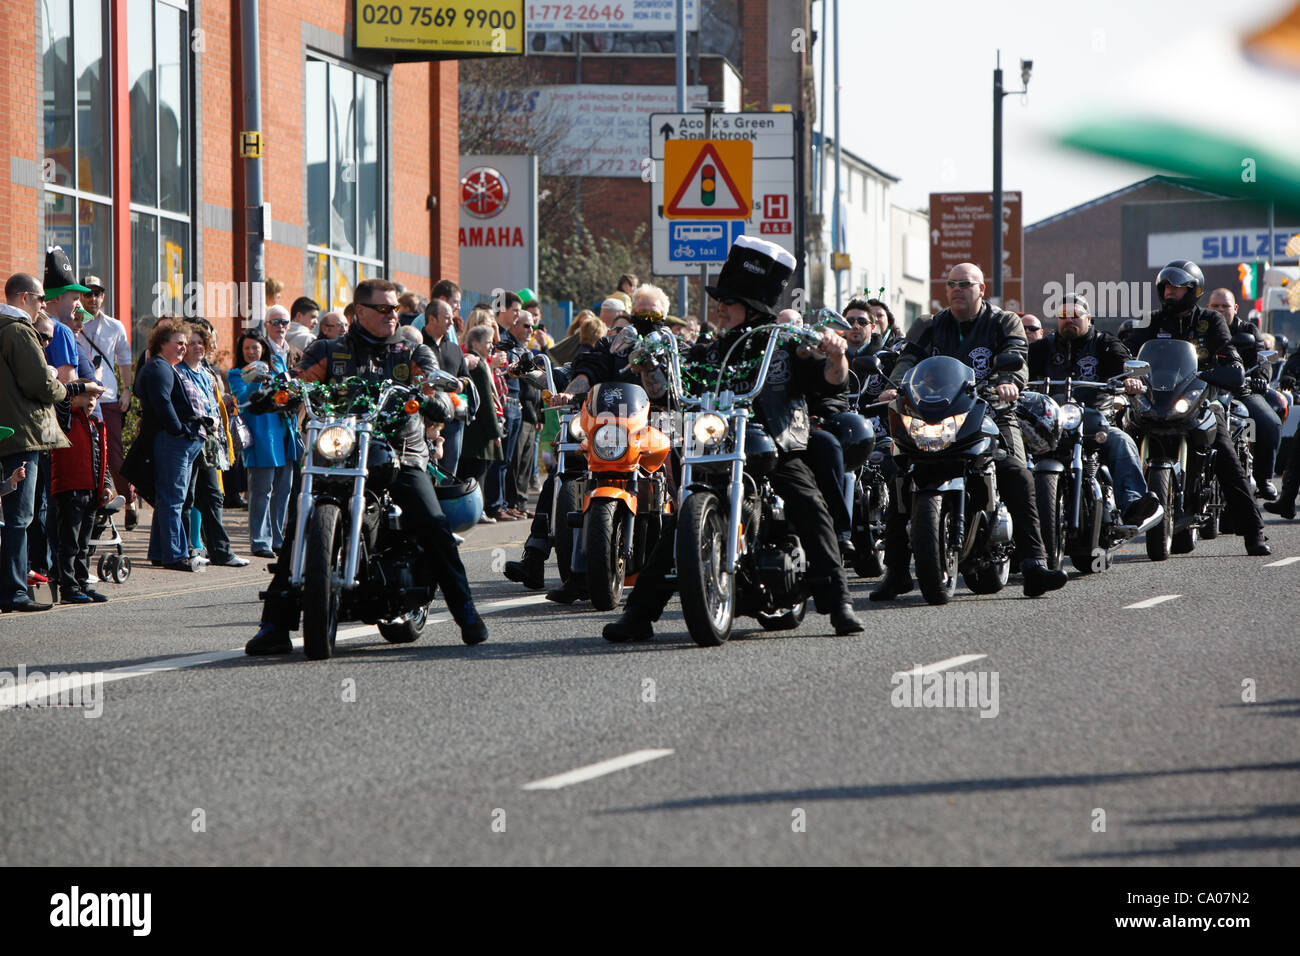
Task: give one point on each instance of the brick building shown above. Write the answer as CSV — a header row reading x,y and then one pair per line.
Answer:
x,y
123,118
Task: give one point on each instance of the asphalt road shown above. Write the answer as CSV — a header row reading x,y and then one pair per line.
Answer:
x,y
784,748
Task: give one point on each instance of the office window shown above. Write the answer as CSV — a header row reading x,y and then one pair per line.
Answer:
x,y
345,222
78,139
162,159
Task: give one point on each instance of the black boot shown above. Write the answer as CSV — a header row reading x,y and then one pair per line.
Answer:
x,y
269,639
530,572
845,621
1039,579
472,629
893,584
568,592
631,625
1255,545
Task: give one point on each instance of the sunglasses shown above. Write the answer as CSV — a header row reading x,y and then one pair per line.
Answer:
x,y
858,320
1033,328
45,339
279,323
383,308
648,316
962,283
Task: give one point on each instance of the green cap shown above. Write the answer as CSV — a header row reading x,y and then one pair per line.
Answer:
x,y
529,296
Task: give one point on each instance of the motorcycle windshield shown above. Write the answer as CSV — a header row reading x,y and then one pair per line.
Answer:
x,y
940,383
622,399
1172,361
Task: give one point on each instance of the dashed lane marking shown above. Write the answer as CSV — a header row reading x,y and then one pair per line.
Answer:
x,y
1151,602
594,770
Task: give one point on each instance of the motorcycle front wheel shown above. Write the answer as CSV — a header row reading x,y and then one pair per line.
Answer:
x,y
936,561
606,566
1160,538
708,593
1050,491
320,588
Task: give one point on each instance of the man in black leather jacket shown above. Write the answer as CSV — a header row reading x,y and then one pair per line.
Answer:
x,y
1080,350
975,333
1179,285
373,349
1254,393
748,288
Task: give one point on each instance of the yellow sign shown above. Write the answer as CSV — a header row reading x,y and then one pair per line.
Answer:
x,y
467,28
250,144
173,261
841,262
708,178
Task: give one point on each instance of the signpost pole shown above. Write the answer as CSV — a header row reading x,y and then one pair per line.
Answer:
x,y
254,211
835,198
683,285
704,269
996,290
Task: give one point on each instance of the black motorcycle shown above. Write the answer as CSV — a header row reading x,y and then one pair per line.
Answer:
x,y
1077,509
1176,421
736,550
350,560
942,424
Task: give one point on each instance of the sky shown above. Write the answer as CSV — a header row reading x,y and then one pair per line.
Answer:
x,y
916,87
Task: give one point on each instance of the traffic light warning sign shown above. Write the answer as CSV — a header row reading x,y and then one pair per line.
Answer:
x,y
708,179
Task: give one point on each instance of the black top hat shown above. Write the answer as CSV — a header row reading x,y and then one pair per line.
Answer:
x,y
755,273
59,277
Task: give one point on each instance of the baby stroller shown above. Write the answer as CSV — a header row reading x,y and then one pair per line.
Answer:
x,y
113,566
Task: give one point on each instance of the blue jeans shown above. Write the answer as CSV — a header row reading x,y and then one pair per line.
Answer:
x,y
452,435
1119,453
499,471
268,506
19,506
173,462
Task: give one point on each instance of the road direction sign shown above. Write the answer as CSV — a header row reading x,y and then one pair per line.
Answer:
x,y
708,178
771,198
961,230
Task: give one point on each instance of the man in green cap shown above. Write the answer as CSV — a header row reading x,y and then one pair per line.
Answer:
x,y
62,296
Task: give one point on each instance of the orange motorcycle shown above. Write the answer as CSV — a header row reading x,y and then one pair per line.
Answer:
x,y
626,488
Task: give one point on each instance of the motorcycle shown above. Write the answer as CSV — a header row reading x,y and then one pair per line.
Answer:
x,y
942,423
1175,418
868,484
1077,512
349,559
736,551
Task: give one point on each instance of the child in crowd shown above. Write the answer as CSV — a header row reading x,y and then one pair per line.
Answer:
x,y
79,484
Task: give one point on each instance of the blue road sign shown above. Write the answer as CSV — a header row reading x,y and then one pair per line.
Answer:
x,y
702,241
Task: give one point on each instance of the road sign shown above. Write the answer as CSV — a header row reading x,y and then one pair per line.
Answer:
x,y
708,178
692,243
961,230
773,203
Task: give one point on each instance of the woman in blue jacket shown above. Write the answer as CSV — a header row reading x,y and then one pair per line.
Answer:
x,y
270,458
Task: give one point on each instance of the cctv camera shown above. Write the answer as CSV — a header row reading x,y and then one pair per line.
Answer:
x,y
1026,67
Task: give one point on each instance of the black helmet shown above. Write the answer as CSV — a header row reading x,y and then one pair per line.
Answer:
x,y
1184,273
1040,422
1283,344
856,437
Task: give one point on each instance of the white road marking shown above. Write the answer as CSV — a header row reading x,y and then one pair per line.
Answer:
x,y
1151,602
17,695
944,665
1281,564
597,769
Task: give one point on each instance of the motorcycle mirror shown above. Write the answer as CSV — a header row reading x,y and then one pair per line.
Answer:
x,y
1008,362
255,372
443,381
1267,355
624,341
868,363
829,318
1135,369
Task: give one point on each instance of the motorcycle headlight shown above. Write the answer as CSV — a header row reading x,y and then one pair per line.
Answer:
x,y
575,430
609,441
1181,406
708,428
934,437
336,442
1071,415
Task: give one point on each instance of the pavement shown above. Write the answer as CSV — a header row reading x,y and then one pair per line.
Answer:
x,y
1103,727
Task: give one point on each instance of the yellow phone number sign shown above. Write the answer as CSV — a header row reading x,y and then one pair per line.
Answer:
x,y
477,27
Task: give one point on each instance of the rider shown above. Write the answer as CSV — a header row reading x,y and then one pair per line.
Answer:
x,y
1179,285
752,280
974,332
372,349
1080,350
1254,392
606,362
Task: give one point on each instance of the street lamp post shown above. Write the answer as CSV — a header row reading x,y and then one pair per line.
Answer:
x,y
998,92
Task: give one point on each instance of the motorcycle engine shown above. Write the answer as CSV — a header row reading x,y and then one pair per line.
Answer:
x,y
781,570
